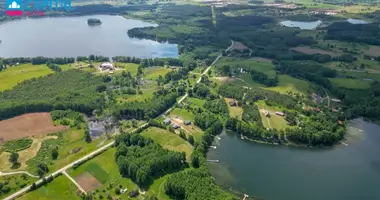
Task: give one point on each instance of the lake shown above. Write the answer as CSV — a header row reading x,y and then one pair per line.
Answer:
x,y
301,25
282,173
357,21
71,36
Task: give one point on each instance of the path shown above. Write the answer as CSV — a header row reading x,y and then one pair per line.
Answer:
x,y
105,147
75,183
17,172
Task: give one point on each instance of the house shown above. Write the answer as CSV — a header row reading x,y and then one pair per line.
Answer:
x,y
175,126
106,66
280,113
267,114
340,122
167,121
336,100
187,122
233,102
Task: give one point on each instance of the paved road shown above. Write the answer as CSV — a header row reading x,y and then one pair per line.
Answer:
x,y
17,172
105,147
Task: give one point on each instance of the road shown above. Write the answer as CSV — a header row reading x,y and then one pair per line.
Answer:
x,y
105,147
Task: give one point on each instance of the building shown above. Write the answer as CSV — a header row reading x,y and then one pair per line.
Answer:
x,y
267,114
175,126
106,66
232,103
167,121
187,122
336,100
280,113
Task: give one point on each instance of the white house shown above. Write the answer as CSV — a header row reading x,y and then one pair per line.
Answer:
x,y
106,66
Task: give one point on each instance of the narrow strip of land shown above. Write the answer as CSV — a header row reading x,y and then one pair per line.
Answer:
x,y
75,183
105,147
18,172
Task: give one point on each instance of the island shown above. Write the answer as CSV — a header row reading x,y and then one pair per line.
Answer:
x,y
94,22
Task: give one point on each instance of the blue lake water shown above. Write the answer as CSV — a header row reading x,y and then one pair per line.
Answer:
x,y
71,36
301,25
357,21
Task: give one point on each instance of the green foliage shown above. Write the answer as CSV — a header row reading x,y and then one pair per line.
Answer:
x,y
87,136
217,106
205,119
251,113
42,169
13,158
362,33
96,171
195,184
17,145
71,89
54,153
191,139
232,91
67,117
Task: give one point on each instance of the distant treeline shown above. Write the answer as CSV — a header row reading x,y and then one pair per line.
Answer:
x,y
149,62
362,33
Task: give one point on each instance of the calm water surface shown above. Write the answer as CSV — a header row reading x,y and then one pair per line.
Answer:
x,y
357,21
281,173
301,25
71,36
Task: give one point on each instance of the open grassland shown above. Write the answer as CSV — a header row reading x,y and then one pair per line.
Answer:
x,y
168,140
78,65
60,188
147,93
11,76
179,116
28,125
289,84
196,102
152,73
274,121
350,83
17,145
234,111
104,167
14,183
183,113
128,67
263,66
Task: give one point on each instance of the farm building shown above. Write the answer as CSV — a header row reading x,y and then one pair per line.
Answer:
x,y
175,126
280,113
167,121
187,122
106,66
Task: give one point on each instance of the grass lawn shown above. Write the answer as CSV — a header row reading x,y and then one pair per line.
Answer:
x,y
11,76
274,121
61,188
152,73
184,114
158,189
289,84
351,83
196,101
168,140
234,111
15,183
105,164
263,66
129,67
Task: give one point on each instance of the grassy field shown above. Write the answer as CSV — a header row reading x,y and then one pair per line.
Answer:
x,y
147,93
11,76
152,73
289,84
14,183
17,145
157,188
184,114
129,67
350,83
274,121
105,169
179,115
61,188
196,101
264,66
234,111
169,140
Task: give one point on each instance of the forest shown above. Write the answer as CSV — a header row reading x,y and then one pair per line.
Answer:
x,y
362,33
141,159
73,89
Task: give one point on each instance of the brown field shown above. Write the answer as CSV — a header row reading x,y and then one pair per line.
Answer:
x,y
27,125
87,182
373,51
239,46
309,51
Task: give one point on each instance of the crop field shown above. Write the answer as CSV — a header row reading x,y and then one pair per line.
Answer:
x,y
152,73
105,168
11,76
309,51
32,124
350,83
128,67
169,140
61,188
234,111
87,182
373,51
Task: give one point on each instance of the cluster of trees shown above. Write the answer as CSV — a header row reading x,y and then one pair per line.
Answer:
x,y
362,33
67,117
141,159
217,106
232,91
148,109
205,119
38,60
251,113
149,62
271,98
54,67
200,90
73,89
263,78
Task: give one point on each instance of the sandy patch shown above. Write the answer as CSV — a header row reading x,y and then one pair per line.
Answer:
x,y
87,182
27,125
239,46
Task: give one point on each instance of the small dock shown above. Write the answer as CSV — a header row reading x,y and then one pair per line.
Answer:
x,y
214,161
245,196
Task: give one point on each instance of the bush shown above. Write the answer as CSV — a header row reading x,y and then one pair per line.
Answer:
x,y
17,145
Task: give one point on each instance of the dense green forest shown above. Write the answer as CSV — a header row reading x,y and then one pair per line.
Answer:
x,y
71,89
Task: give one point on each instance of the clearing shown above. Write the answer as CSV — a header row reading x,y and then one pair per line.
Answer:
x,y
87,182
179,116
351,83
33,124
310,51
11,76
259,65
373,51
234,111
168,140
288,84
239,46
60,188
274,121
24,155
152,73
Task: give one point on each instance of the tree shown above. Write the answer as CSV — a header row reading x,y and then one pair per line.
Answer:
x,y
191,139
42,168
87,135
33,187
13,158
54,153
182,134
195,159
